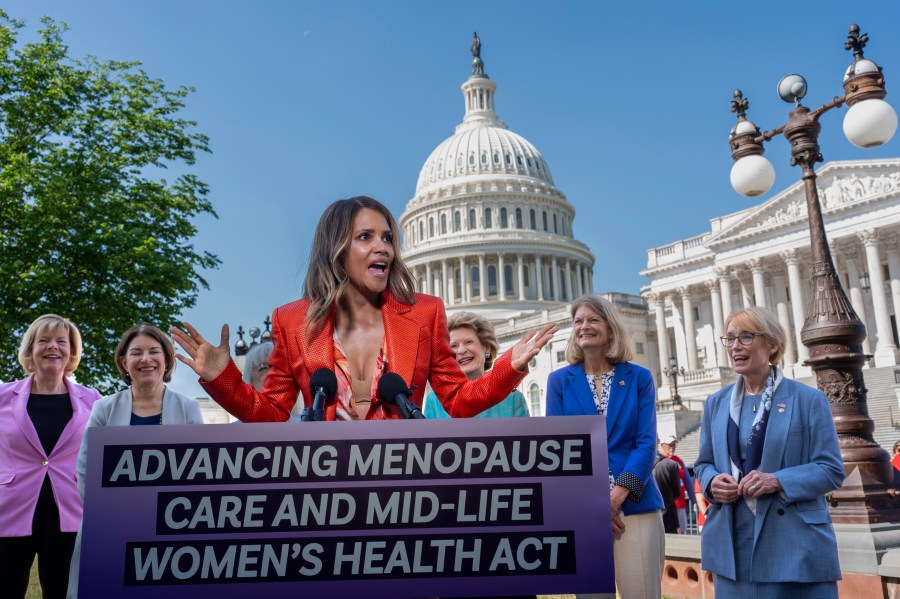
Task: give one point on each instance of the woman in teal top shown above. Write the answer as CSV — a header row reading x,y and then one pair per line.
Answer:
x,y
474,341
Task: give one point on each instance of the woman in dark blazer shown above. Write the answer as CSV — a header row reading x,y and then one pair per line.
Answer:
x,y
42,418
600,380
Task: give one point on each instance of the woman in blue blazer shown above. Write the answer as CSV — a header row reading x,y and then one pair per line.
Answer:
x,y
768,455
600,380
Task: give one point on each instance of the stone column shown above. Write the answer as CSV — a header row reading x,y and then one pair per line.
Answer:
x,y
465,283
715,300
569,280
850,255
539,277
784,315
657,301
759,281
590,280
724,276
884,347
557,286
793,265
429,282
521,260
482,279
451,288
501,278
579,286
445,279
746,294
893,258
690,335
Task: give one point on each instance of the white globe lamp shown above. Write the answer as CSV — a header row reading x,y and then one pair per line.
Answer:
x,y
752,175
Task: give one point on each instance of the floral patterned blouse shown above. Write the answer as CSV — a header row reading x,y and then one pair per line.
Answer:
x,y
634,485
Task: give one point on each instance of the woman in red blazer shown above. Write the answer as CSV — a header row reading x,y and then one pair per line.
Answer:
x,y
359,317
42,419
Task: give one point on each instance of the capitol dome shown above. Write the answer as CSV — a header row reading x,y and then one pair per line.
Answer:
x,y
487,229
487,150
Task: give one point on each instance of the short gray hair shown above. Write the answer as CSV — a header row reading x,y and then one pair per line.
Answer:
x,y
256,357
759,320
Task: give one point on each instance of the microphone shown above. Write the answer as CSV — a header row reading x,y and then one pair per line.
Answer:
x,y
323,386
393,390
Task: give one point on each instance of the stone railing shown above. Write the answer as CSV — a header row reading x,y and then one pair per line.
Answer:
x,y
704,375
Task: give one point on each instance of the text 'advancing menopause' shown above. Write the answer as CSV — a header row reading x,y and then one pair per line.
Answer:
x,y
340,460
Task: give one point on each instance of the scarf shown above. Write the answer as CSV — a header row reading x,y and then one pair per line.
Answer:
x,y
757,439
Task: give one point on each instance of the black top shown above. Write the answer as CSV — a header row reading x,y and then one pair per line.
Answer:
x,y
144,420
50,414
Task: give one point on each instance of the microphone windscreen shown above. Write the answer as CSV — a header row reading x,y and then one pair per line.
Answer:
x,y
390,385
323,377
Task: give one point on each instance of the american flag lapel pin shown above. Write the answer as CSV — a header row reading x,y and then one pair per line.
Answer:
x,y
621,383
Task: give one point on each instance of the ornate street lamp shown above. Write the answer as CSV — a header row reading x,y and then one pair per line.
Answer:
x,y
832,330
241,347
672,372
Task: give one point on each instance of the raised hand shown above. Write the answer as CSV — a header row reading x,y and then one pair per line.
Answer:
x,y
204,358
530,345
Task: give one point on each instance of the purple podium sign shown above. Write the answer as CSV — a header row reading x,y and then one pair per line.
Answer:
x,y
395,509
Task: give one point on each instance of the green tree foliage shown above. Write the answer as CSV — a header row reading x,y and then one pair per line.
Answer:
x,y
89,229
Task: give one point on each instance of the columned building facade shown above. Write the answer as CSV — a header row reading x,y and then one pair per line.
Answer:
x,y
760,257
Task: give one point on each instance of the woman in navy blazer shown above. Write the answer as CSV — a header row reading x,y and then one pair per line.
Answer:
x,y
600,380
42,418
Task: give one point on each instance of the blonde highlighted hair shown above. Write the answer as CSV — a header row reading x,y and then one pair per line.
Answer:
x,y
620,346
760,320
327,279
42,325
482,328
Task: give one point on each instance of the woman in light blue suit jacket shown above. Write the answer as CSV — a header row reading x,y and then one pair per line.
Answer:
x,y
600,380
768,455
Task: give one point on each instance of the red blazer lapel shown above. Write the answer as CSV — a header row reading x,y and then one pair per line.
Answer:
x,y
401,337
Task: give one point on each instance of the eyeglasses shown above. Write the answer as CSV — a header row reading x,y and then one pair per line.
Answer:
x,y
745,338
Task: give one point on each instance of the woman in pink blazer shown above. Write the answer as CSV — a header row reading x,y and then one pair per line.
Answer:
x,y
42,420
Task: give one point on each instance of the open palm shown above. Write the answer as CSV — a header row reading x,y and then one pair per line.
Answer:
x,y
204,358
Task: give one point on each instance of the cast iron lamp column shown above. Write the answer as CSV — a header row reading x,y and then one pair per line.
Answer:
x,y
672,372
832,330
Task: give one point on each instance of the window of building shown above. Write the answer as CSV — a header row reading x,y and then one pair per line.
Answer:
x,y
534,399
457,221
518,218
496,158
555,230
471,159
560,356
508,279
476,282
518,160
533,222
487,218
545,220
443,224
492,280
472,219
639,348
484,159
696,313
431,226
421,230
503,219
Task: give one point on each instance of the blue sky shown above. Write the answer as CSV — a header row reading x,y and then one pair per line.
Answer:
x,y
307,102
